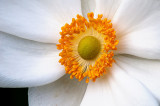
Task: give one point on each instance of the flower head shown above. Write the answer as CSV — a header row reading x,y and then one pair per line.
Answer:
x,y
29,56
87,47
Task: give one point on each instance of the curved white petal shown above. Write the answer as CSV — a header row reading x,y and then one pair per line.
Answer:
x,y
39,20
117,89
132,14
144,41
137,25
107,7
27,63
87,6
146,71
63,92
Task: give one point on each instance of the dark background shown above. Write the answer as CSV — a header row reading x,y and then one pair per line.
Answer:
x,y
13,97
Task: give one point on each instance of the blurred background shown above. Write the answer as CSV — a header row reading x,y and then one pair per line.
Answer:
x,y
13,96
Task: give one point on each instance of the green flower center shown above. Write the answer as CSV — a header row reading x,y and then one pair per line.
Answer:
x,y
89,47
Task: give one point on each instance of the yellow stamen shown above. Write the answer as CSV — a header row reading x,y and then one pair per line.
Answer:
x,y
81,65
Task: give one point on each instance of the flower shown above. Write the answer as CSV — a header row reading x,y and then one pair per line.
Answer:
x,y
29,58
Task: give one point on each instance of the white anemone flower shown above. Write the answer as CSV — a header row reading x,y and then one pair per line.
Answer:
x,y
29,32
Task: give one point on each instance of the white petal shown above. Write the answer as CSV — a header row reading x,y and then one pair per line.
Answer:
x,y
63,92
133,13
146,71
88,6
137,25
107,7
142,43
27,63
38,20
117,89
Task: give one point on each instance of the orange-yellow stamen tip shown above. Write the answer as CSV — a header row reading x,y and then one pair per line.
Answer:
x,y
73,33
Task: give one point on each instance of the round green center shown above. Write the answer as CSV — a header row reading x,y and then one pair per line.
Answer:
x,y
88,47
